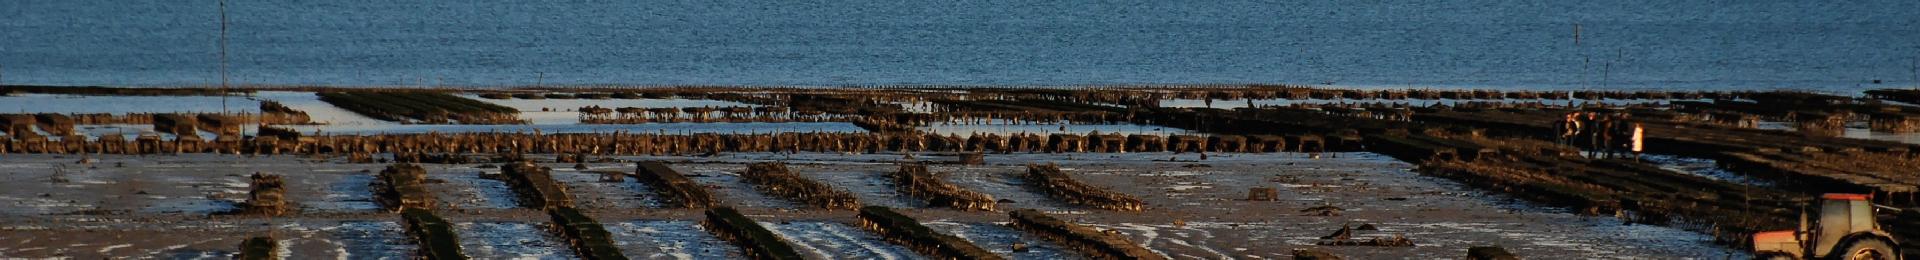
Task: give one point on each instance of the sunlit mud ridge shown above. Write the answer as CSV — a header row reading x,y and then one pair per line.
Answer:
x,y
535,185
257,248
674,188
433,234
1049,178
587,237
1095,244
1490,253
775,179
421,107
267,195
914,180
904,230
753,239
275,113
636,115
403,186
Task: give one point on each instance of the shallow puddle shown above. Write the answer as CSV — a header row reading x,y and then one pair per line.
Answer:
x,y
831,240
726,186
648,239
351,193
1000,240
1002,184
353,240
510,240
871,187
1702,167
465,189
590,192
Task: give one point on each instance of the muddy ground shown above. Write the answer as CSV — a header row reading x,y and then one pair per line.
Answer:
x,y
160,206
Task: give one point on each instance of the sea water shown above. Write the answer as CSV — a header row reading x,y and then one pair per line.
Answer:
x,y
1830,46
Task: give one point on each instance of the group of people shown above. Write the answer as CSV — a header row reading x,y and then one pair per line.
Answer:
x,y
1606,134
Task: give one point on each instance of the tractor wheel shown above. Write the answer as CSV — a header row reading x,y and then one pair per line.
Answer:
x,y
1865,249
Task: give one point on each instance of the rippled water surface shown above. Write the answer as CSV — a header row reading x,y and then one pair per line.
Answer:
x,y
1831,46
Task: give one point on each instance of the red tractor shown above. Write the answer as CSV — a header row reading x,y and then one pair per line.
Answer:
x,y
1846,229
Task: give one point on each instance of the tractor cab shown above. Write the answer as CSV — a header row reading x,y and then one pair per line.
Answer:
x,y
1845,229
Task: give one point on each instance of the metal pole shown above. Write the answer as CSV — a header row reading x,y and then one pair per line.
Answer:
x,y
224,89
1576,34
1585,63
1584,58
1606,70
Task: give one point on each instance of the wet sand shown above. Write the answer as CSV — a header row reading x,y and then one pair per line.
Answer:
x,y
140,206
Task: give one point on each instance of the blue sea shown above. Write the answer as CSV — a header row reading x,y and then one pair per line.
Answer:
x,y
1829,46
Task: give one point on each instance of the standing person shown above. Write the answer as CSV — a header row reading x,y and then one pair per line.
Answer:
x,y
1596,134
1574,126
1624,130
1616,137
1620,136
1639,144
1560,130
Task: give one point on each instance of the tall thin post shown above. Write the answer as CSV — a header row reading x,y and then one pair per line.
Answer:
x,y
1576,34
224,89
1585,59
1606,69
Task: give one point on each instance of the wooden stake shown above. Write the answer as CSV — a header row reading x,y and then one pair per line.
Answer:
x,y
224,90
